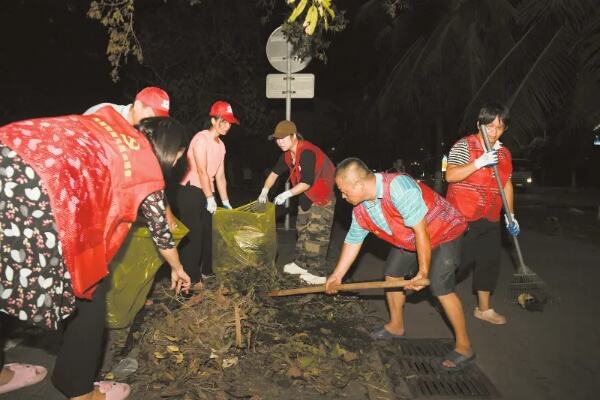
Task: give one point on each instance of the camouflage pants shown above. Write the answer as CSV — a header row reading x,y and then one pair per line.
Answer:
x,y
314,231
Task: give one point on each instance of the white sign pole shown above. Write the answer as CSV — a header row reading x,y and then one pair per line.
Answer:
x,y
288,116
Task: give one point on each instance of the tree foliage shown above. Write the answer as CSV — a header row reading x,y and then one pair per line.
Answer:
x,y
308,35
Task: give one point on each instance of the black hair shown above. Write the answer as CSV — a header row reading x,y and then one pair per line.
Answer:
x,y
353,163
490,111
167,137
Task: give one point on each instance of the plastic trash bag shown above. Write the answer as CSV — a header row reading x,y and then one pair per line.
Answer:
x,y
244,237
133,270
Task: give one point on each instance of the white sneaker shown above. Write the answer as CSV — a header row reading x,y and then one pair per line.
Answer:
x,y
294,269
313,279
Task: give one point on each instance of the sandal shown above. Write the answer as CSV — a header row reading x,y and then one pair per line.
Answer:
x,y
381,333
113,390
24,375
460,361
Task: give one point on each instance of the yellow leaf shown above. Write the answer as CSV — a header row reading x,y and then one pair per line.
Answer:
x,y
172,348
310,23
172,338
327,6
305,361
297,11
350,356
178,358
159,355
109,376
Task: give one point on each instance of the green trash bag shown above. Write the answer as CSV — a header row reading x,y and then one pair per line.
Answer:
x,y
244,238
133,270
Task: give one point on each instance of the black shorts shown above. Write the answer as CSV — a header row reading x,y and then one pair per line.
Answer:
x,y
445,259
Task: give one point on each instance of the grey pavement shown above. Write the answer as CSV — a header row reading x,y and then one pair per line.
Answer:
x,y
547,356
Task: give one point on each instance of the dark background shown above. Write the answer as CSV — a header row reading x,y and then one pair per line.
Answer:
x,y
370,102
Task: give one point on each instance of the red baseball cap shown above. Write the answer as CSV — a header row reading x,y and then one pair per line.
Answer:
x,y
155,98
222,109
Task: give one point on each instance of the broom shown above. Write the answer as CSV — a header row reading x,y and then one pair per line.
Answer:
x,y
526,287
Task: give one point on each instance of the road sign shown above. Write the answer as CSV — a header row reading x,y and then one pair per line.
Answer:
x,y
302,87
277,53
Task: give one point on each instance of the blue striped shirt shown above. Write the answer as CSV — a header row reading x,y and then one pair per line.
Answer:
x,y
406,197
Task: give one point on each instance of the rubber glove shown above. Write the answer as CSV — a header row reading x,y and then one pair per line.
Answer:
x,y
227,205
263,197
513,228
487,159
211,204
282,197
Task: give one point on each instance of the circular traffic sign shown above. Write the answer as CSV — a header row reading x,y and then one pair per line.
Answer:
x,y
277,53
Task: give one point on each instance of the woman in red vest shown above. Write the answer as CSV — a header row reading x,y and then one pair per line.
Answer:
x,y
473,190
70,188
311,175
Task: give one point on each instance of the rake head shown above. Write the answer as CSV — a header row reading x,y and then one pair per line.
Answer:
x,y
530,292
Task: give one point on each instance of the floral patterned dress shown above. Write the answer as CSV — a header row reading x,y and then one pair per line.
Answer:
x,y
35,285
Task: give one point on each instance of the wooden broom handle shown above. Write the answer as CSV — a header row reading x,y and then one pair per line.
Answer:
x,y
346,287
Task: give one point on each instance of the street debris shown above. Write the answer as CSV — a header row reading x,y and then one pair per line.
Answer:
x,y
231,341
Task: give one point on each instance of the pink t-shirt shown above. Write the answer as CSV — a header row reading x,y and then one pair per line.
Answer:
x,y
203,143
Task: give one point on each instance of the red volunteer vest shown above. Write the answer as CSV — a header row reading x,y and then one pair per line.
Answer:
x,y
478,196
97,169
321,191
444,223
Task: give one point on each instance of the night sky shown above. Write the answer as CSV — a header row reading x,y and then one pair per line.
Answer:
x,y
53,60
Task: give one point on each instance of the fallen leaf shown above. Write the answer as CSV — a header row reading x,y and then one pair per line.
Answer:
x,y
350,356
158,354
178,358
228,362
294,372
172,348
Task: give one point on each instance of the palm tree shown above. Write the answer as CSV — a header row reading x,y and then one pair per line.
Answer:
x,y
428,87
550,76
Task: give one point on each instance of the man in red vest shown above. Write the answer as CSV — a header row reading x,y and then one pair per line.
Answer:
x,y
311,175
473,190
425,232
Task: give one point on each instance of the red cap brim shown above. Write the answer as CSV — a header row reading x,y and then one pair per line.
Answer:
x,y
230,118
160,113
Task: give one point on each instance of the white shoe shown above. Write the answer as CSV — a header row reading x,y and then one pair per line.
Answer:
x,y
313,279
490,316
294,269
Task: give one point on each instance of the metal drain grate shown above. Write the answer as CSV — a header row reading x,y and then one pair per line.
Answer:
x,y
412,366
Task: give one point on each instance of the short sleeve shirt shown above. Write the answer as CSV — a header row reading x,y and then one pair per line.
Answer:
x,y
406,198
459,153
202,142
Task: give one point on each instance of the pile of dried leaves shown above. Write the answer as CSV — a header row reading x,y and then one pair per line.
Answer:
x,y
228,343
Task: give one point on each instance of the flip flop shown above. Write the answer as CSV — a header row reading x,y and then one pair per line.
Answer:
x,y
24,375
381,333
113,390
460,361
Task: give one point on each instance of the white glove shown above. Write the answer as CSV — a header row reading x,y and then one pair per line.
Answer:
x,y
211,204
227,205
282,197
263,198
487,159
